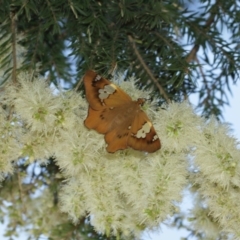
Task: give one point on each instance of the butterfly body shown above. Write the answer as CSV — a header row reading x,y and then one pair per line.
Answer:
x,y
112,112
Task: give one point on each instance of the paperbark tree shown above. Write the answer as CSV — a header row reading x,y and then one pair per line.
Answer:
x,y
174,49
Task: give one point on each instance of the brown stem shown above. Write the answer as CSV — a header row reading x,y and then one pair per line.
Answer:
x,y
21,191
192,54
14,54
161,90
79,84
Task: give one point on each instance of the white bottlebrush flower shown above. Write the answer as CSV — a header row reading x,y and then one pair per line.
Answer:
x,y
34,102
153,180
217,155
224,207
223,203
72,200
126,192
202,220
178,126
10,133
37,146
72,109
76,149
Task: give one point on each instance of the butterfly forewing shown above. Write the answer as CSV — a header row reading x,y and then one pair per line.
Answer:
x,y
112,112
100,92
96,120
106,119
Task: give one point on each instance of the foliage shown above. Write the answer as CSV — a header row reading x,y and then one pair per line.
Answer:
x,y
150,39
175,48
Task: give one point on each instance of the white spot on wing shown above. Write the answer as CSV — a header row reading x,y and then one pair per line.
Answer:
x,y
106,91
155,138
97,78
129,127
141,133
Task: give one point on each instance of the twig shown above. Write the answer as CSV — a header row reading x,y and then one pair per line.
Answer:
x,y
204,80
79,84
21,191
161,90
113,68
14,54
192,54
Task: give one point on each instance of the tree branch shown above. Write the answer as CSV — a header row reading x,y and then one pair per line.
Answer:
x,y
21,192
14,54
79,84
161,90
192,54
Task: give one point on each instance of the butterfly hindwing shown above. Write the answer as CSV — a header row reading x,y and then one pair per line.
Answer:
x,y
143,136
114,123
117,137
117,140
100,92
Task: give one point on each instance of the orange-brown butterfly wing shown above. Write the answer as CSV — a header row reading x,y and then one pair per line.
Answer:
x,y
143,136
124,126
113,113
114,123
117,140
117,136
101,93
96,120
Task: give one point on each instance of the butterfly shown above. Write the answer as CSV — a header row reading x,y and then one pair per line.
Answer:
x,y
112,112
